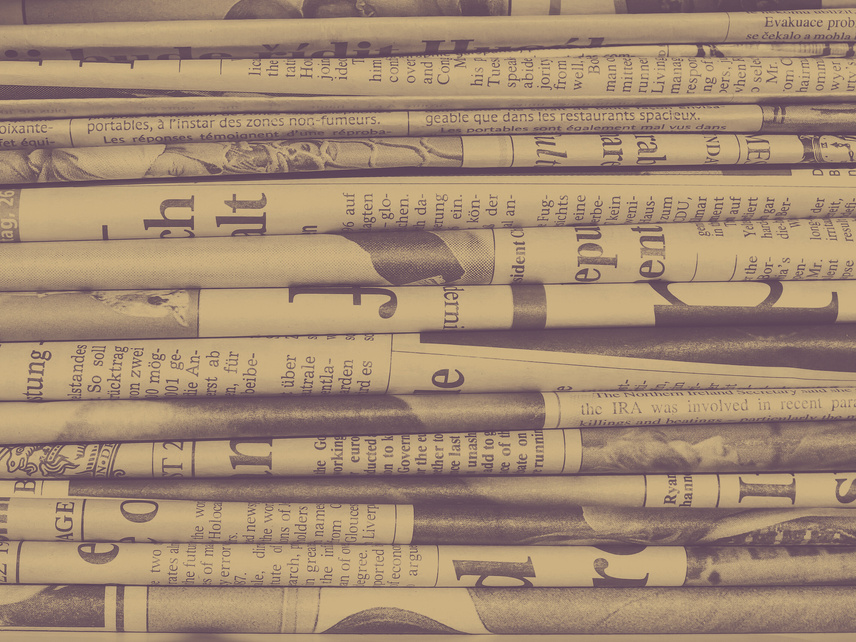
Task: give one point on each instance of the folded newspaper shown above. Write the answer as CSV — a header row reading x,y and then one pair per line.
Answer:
x,y
277,37
223,312
606,359
834,119
752,448
721,411
236,498
386,203
793,250
235,609
388,566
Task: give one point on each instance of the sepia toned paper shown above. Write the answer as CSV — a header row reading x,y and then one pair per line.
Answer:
x,y
721,448
593,81
437,611
219,39
515,522
385,566
52,11
29,103
804,249
175,158
605,525
414,203
818,410
653,492
30,517
133,520
491,361
798,119
561,360
147,314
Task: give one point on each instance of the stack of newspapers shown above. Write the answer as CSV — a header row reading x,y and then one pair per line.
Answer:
x,y
428,316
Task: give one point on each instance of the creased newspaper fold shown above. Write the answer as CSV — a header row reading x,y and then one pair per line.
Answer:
x,y
823,609
607,359
385,566
721,448
704,496
218,418
400,203
165,156
805,528
28,103
274,38
149,314
159,520
53,12
792,250
496,81
832,119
